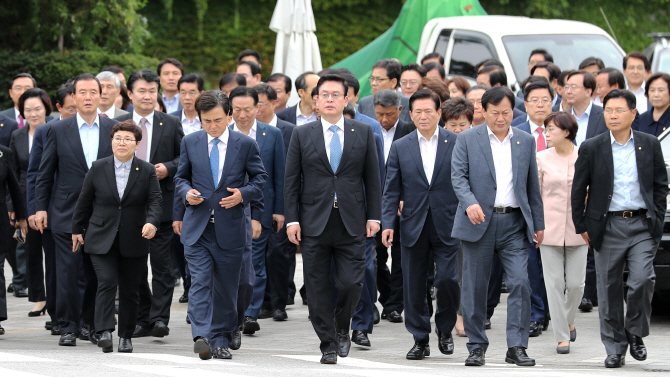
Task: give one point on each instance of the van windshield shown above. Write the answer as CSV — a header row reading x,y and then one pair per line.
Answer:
x,y
568,50
663,58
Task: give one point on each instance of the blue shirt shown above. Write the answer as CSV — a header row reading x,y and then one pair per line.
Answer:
x,y
583,123
626,195
171,105
121,172
90,138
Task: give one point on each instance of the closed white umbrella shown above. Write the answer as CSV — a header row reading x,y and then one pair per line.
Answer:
x,y
297,49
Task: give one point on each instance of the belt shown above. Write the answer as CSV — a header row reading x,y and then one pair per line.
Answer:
x,y
505,209
211,219
628,214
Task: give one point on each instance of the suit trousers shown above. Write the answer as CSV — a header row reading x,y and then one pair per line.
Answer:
x,y
590,287
16,259
155,302
564,276
179,263
245,290
114,270
626,242
215,275
363,318
415,268
347,253
50,273
34,266
389,282
506,238
278,268
258,255
73,310
3,290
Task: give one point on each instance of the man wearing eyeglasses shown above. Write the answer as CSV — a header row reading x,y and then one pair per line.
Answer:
x,y
621,218
579,87
385,75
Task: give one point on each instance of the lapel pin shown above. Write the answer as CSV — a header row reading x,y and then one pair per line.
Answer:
x,y
137,168
2,125
263,133
352,130
161,123
446,141
639,148
518,142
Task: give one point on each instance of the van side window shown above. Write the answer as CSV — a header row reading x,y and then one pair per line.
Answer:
x,y
469,50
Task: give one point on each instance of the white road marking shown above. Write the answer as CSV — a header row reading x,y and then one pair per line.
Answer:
x,y
351,362
6,357
17,373
174,371
174,358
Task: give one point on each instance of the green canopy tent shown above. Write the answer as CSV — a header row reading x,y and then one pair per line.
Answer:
x,y
402,40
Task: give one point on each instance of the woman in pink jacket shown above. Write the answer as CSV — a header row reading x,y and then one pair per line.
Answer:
x,y
563,251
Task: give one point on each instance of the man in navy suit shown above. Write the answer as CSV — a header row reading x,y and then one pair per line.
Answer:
x,y
71,147
220,172
7,126
303,112
419,166
244,101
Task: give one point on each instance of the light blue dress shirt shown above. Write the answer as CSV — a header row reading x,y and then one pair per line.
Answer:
x,y
121,172
172,104
626,195
90,138
583,123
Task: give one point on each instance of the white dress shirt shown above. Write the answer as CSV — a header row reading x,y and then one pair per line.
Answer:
x,y
641,104
388,139
16,116
89,135
301,119
150,121
273,122
188,126
252,131
222,145
428,148
536,133
110,112
502,161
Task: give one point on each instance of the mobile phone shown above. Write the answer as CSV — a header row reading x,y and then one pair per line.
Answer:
x,y
18,235
197,196
274,226
77,248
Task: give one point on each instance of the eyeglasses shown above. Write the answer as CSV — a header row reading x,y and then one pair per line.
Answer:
x,y
572,87
118,140
335,96
70,110
192,93
263,104
539,101
411,82
609,111
378,79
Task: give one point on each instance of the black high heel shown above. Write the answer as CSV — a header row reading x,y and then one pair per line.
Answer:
x,y
38,313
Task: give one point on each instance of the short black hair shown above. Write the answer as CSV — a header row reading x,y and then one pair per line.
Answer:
x,y
301,81
539,84
488,63
656,76
315,91
63,92
244,91
349,110
637,55
433,55
266,89
421,70
498,77
255,68
592,60
211,99
85,77
589,80
547,56
565,121
552,68
333,78
249,52
614,76
127,125
288,84
621,93
233,76
455,107
496,95
352,82
35,93
563,77
172,61
114,69
146,75
432,65
392,68
192,78
476,87
20,75
423,94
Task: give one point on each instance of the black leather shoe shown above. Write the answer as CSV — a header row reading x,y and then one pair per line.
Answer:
x,y
545,323
360,338
615,361
68,340
2,331
265,313
250,325
517,355
202,348
290,300
141,332
22,292
125,345
279,315
222,353
343,343
48,325
188,320
445,342
160,329
384,315
573,335
94,337
236,342
184,298
637,348
55,330
10,288
329,358
535,329
106,342
487,324
395,317
375,315
586,305
418,352
84,333
503,287
38,312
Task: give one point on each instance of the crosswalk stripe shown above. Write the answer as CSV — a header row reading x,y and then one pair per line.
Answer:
x,y
351,362
17,373
175,371
173,358
6,357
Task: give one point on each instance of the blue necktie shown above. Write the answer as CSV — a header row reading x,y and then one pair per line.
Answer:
x,y
214,161
335,150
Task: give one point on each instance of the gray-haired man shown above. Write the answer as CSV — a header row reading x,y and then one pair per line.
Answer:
x,y
111,88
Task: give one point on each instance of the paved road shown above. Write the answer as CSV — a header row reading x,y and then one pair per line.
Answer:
x,y
291,349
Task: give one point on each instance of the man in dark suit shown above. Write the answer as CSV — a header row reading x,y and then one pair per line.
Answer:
x,y
385,75
161,140
71,147
422,174
7,126
494,175
303,112
330,217
220,173
390,283
622,219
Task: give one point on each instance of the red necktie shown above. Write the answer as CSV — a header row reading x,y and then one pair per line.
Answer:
x,y
541,145
20,121
104,115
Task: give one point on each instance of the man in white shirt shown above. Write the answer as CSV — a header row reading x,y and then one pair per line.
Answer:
x,y
20,83
190,87
303,112
579,86
636,68
111,88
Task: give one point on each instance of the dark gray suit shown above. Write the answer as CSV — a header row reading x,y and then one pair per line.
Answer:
x,y
504,234
366,107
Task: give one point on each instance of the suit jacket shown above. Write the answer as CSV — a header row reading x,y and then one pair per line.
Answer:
x,y
647,124
596,124
11,114
63,168
405,174
165,144
242,169
19,147
119,112
286,129
102,215
309,201
516,122
7,126
594,170
474,180
177,114
288,114
9,186
366,107
39,140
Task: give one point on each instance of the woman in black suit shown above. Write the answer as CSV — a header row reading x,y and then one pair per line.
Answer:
x,y
34,107
657,118
9,181
119,209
